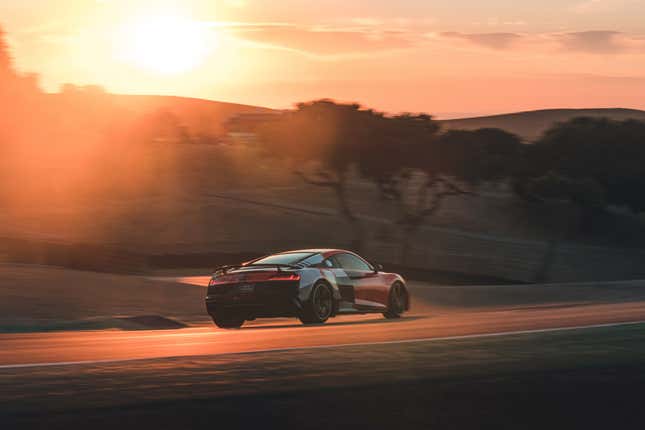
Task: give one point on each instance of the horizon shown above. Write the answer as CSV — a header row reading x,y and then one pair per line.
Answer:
x,y
435,57
440,116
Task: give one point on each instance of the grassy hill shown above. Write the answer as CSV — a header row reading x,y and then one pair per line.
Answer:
x,y
36,298
200,116
530,125
208,117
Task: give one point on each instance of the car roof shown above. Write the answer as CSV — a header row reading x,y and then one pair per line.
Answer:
x,y
324,251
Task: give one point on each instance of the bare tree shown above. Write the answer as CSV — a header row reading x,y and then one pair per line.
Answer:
x,y
418,168
323,140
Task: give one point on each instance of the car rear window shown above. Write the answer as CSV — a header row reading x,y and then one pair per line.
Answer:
x,y
286,258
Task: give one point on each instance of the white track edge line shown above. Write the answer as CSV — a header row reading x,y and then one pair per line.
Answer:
x,y
341,345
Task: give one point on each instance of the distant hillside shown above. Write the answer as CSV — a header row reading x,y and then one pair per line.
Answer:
x,y
199,115
530,125
209,117
203,116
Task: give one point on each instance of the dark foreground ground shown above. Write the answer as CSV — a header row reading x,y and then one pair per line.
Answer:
x,y
586,378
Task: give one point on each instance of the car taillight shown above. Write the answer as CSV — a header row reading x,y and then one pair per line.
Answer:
x,y
285,277
222,280
261,277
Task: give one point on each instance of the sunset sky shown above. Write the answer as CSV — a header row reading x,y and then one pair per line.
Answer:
x,y
448,58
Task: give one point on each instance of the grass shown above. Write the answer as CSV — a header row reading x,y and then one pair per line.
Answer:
x,y
36,298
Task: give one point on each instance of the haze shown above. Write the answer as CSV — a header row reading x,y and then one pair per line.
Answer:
x,y
451,58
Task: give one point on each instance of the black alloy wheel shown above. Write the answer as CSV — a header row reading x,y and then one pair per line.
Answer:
x,y
398,301
319,307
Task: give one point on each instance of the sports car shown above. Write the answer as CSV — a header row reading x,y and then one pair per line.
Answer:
x,y
312,285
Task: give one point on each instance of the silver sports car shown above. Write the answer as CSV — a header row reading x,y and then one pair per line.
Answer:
x,y
312,285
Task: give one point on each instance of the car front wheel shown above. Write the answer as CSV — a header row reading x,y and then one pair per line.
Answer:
x,y
397,302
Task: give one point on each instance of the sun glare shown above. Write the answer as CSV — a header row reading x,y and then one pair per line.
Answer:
x,y
165,44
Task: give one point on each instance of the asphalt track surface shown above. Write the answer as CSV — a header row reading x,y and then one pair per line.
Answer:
x,y
425,322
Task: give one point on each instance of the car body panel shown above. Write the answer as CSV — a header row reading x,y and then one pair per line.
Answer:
x,y
370,290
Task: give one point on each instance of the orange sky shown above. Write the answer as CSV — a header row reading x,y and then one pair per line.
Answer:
x,y
448,58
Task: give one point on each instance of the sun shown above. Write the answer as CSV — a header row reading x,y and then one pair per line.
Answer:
x,y
165,44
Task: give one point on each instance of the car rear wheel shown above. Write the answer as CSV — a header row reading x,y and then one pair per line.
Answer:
x,y
397,302
320,305
228,320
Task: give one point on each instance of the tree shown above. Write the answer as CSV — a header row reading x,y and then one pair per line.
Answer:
x,y
323,140
451,164
591,162
391,162
6,67
160,126
14,85
394,149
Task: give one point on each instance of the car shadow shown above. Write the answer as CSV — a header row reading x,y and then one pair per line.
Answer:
x,y
338,323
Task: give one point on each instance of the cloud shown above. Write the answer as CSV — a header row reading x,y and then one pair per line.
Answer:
x,y
601,6
366,36
324,41
488,40
589,42
588,6
596,42
366,21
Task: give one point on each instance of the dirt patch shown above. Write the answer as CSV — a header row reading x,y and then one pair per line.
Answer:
x,y
152,322
144,322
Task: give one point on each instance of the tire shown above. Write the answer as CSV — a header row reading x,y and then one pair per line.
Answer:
x,y
397,302
228,321
320,305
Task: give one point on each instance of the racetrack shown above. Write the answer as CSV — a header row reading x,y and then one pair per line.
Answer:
x,y
465,357
438,312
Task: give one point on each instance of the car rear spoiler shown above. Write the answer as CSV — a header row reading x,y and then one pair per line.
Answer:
x,y
226,268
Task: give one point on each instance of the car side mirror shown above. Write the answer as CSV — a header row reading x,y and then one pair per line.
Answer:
x,y
378,268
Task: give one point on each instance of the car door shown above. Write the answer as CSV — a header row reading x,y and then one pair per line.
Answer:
x,y
368,286
343,282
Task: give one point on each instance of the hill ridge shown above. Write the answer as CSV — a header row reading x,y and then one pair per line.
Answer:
x,y
531,124
208,116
